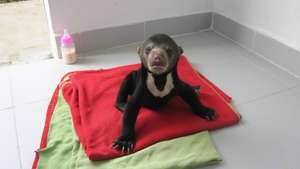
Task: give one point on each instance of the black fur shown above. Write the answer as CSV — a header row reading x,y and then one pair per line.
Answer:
x,y
134,85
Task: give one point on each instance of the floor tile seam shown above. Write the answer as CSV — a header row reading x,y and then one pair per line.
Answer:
x,y
30,102
11,107
275,93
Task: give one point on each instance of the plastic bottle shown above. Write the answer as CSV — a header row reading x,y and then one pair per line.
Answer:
x,y
68,50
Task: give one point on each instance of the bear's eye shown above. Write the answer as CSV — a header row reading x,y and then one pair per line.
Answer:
x,y
169,51
147,50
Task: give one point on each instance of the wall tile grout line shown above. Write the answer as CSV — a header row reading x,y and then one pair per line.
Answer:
x,y
212,20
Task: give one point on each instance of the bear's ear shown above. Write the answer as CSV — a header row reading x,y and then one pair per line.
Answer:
x,y
180,50
139,51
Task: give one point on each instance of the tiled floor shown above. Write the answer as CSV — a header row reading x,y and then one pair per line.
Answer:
x,y
266,96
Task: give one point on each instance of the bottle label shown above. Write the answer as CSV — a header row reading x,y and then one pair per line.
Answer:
x,y
68,55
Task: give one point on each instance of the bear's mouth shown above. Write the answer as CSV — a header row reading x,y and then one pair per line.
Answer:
x,y
158,64
157,67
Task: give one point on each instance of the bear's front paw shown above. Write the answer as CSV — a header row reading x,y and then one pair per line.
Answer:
x,y
124,144
207,113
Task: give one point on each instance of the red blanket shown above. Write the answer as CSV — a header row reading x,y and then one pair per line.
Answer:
x,y
92,94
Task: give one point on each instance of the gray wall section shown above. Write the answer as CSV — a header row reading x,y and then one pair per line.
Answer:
x,y
273,50
116,36
179,25
233,30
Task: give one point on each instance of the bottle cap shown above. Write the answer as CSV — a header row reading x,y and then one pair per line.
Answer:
x,y
66,39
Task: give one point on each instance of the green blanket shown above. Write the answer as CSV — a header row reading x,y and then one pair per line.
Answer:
x,y
64,150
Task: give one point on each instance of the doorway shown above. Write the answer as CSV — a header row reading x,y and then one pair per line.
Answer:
x,y
24,33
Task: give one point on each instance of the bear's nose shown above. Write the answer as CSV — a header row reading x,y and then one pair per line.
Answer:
x,y
157,56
